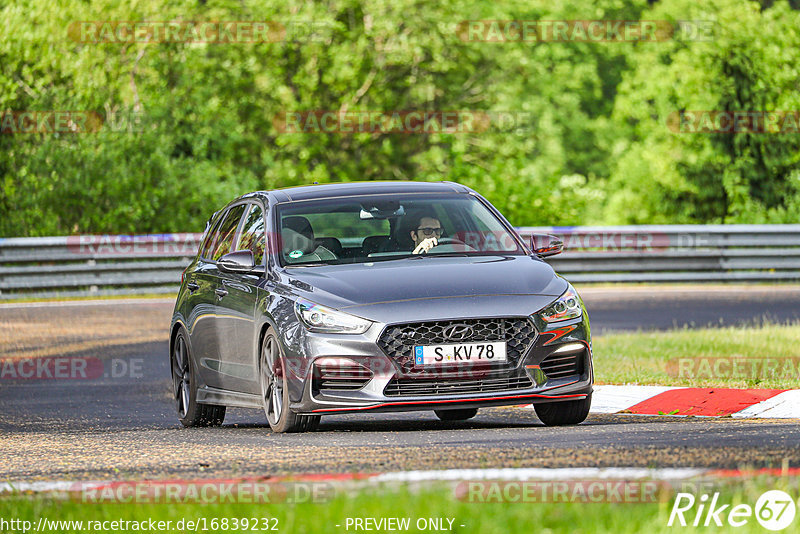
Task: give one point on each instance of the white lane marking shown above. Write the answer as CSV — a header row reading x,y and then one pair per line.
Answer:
x,y
613,399
104,302
445,475
48,485
685,290
536,473
784,405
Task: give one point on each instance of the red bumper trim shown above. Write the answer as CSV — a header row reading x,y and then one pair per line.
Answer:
x,y
451,401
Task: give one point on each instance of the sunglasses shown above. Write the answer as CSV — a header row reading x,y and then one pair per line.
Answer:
x,y
431,231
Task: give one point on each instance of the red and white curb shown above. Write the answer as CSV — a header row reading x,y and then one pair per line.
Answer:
x,y
708,402
358,480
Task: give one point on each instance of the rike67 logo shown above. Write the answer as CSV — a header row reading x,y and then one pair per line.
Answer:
x,y
774,510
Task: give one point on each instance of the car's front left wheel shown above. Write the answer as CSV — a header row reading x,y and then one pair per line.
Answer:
x,y
275,392
564,412
184,388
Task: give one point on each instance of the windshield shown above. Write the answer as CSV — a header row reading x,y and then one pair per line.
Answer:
x,y
361,229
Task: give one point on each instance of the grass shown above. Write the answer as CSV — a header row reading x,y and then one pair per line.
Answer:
x,y
434,501
655,357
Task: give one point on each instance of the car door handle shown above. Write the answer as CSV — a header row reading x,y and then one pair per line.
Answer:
x,y
192,287
220,292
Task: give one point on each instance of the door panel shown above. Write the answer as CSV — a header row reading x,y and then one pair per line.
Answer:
x,y
202,320
208,339
236,308
235,320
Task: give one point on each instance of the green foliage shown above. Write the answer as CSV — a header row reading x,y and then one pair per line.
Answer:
x,y
199,121
750,64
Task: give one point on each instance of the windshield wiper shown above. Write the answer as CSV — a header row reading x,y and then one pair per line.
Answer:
x,y
442,255
310,264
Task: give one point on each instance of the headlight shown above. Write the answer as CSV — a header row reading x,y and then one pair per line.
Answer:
x,y
321,319
568,306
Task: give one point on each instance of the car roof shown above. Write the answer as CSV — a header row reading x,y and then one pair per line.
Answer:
x,y
311,192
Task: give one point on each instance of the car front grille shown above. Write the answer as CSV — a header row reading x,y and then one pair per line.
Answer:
x,y
561,366
410,387
398,341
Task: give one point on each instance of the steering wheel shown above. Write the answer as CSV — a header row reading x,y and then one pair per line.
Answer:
x,y
454,241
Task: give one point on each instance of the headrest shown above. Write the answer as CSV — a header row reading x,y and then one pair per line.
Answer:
x,y
294,241
299,224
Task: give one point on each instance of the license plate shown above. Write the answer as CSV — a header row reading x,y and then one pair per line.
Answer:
x,y
487,351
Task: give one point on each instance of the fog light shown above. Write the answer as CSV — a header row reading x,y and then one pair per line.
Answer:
x,y
569,348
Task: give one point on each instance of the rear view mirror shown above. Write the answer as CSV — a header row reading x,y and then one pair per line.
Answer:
x,y
240,261
384,210
545,245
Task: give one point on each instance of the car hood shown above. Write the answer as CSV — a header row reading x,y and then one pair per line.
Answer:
x,y
356,287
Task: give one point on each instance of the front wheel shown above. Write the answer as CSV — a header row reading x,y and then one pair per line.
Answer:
x,y
564,413
275,391
184,389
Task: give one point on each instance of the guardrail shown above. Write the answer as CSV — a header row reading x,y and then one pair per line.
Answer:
x,y
677,253
94,265
108,265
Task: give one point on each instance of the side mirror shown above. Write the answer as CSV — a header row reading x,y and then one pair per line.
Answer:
x,y
240,261
544,245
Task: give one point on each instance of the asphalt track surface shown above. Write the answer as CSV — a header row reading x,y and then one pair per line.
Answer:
x,y
125,427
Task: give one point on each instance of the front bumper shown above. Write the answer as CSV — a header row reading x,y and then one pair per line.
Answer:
x,y
538,376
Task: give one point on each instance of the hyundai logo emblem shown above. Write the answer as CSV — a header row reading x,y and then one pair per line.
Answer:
x,y
458,332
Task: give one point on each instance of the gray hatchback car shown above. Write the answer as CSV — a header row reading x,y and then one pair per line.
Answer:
x,y
370,297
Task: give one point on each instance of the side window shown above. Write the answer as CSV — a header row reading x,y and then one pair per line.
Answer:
x,y
211,238
227,232
253,236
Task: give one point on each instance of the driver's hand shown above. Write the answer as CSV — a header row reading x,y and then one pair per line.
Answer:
x,y
425,245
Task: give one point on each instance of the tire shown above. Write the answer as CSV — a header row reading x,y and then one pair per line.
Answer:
x,y
563,413
275,391
184,388
462,414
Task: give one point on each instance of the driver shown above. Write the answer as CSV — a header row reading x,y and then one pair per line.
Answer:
x,y
426,233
